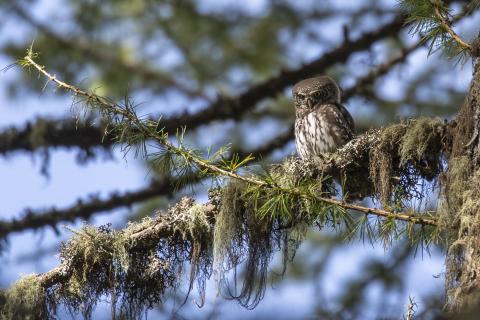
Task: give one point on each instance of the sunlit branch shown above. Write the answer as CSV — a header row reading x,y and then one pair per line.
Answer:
x,y
106,104
446,26
70,133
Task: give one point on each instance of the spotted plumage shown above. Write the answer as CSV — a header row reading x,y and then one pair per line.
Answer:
x,y
322,123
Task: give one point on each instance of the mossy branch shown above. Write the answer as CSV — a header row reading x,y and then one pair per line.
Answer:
x,y
244,222
151,131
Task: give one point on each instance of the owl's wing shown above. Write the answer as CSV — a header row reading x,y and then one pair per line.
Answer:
x,y
347,116
342,126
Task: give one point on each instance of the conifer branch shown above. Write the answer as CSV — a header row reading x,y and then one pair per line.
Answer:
x,y
235,107
72,133
107,105
446,26
430,18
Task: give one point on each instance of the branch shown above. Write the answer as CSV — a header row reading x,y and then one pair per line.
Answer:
x,y
33,219
380,70
430,20
68,133
107,56
108,106
161,227
94,258
446,26
46,133
65,133
234,107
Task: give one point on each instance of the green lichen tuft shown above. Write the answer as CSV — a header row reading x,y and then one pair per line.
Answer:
x,y
26,299
460,217
245,239
193,223
459,173
421,146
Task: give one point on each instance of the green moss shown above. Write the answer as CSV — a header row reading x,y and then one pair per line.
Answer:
x,y
460,218
423,147
458,182
24,300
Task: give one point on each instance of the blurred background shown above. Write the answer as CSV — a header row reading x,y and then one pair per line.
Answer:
x,y
175,59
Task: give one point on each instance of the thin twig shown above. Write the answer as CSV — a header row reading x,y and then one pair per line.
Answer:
x,y
445,24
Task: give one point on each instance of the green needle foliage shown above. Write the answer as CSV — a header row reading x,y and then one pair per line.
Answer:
x,y
431,19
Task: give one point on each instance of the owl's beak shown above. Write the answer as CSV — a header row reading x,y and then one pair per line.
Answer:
x,y
309,103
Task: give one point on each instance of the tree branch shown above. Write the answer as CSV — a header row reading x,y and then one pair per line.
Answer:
x,y
446,26
86,134
107,105
33,219
69,133
53,133
234,107
154,77
48,133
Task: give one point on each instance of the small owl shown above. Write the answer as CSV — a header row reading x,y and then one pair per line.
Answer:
x,y
322,123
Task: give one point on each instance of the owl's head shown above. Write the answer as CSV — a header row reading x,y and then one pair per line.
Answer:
x,y
309,92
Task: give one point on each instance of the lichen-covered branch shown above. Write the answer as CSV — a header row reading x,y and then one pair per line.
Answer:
x,y
245,221
151,254
107,106
460,205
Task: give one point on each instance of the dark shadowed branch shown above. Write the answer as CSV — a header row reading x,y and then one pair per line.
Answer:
x,y
104,54
85,209
70,133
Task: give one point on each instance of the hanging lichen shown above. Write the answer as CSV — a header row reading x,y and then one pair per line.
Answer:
x,y
403,155
241,227
24,300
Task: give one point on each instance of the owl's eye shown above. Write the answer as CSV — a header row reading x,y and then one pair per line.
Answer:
x,y
319,95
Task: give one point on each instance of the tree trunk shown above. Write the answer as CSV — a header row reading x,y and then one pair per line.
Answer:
x,y
460,208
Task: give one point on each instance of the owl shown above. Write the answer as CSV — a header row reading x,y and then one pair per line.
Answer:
x,y
322,123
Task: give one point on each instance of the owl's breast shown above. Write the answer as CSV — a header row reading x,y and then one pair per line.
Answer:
x,y
314,135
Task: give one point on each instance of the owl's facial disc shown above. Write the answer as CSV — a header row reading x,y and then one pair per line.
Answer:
x,y
301,100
